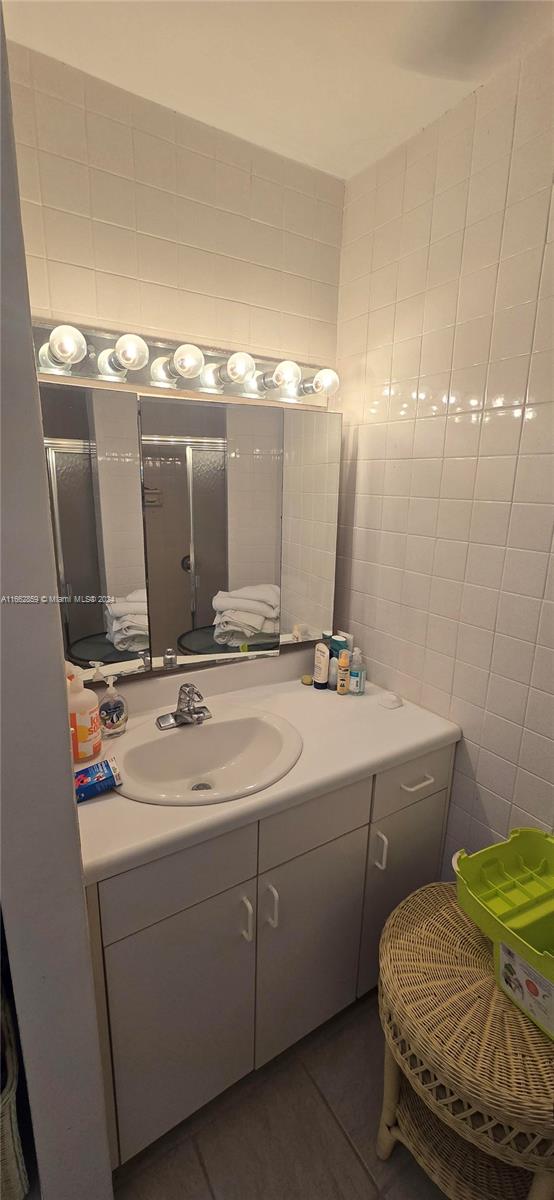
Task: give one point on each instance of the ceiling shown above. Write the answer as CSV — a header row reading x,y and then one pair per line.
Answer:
x,y
330,83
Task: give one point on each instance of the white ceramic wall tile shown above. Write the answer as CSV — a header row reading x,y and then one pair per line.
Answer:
x,y
466,522
135,165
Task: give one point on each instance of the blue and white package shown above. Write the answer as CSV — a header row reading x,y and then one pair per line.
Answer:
x,y
99,777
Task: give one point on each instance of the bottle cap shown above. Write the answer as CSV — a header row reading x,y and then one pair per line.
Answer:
x,y
344,659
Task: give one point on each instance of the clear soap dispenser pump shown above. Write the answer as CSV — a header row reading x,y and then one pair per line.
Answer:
x,y
113,711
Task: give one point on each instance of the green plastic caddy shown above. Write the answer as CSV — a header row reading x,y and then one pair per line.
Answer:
x,y
508,890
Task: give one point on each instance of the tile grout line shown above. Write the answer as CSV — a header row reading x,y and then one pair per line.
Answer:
x,y
339,1124
204,1169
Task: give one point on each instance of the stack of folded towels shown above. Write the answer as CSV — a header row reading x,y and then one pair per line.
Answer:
x,y
127,621
247,614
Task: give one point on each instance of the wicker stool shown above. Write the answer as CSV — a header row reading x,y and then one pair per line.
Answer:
x,y
469,1080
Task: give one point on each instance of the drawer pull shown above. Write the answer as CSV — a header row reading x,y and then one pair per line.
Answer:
x,y
382,863
416,787
274,920
248,933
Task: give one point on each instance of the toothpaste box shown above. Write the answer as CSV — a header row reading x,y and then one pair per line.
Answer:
x,y
97,778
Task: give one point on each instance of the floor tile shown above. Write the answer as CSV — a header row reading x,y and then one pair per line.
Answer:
x,y
411,1183
346,1063
174,1175
280,1142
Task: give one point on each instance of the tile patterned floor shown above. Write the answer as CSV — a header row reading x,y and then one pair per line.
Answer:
x,y
302,1128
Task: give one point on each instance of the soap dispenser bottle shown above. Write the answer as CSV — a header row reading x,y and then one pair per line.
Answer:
x,y
84,720
113,711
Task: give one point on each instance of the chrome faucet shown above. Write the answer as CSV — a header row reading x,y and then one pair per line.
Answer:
x,y
190,710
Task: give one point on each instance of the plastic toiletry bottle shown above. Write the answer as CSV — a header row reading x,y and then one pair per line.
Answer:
x,y
321,666
113,711
344,673
338,643
356,686
333,673
84,718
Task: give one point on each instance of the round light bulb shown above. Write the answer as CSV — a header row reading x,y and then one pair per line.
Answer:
x,y
287,374
188,361
159,372
209,376
132,352
240,367
326,380
67,345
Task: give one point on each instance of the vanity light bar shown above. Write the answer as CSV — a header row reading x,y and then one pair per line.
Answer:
x,y
67,347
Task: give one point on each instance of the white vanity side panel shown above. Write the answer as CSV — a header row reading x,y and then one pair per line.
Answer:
x,y
288,834
411,781
138,898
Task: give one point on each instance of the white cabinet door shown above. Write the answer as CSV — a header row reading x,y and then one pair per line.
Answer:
x,y
181,1002
404,854
309,919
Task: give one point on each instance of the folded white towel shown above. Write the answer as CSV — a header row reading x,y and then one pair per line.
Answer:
x,y
121,608
140,594
263,598
234,627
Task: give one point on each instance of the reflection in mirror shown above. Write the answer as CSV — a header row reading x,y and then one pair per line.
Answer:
x,y
93,463
312,442
212,487
215,479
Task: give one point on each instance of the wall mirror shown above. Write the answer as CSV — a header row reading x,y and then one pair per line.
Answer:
x,y
188,531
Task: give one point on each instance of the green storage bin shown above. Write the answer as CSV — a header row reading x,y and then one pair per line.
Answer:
x,y
508,890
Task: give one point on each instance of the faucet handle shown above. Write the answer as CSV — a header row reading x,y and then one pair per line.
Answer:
x,y
189,696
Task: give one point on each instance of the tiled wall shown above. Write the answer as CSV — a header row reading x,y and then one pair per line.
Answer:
x,y
254,486
310,496
447,505
136,217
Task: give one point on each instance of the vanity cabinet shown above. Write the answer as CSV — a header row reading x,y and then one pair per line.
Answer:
x,y
405,845
181,1007
217,957
309,920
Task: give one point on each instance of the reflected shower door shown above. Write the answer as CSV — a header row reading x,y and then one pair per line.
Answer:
x,y
209,529
185,513
74,523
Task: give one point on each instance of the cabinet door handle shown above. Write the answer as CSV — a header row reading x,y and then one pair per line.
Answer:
x,y
248,933
416,787
274,920
382,863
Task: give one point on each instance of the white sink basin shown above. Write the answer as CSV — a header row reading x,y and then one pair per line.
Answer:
x,y
237,752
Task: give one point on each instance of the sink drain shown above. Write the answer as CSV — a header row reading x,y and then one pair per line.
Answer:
x,y
201,787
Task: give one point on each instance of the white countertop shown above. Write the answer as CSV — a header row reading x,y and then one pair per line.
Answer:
x,y
345,738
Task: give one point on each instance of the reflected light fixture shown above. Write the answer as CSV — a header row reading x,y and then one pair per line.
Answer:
x,y
187,362
286,374
325,380
130,353
65,347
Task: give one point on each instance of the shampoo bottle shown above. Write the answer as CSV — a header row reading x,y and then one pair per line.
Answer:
x,y
321,666
84,718
113,711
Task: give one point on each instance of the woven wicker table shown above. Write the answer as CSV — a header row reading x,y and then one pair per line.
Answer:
x,y
469,1080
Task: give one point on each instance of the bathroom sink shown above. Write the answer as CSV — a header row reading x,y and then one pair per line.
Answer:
x,y
236,753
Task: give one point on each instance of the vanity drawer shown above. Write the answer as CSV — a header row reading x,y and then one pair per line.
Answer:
x,y
144,895
288,834
403,785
